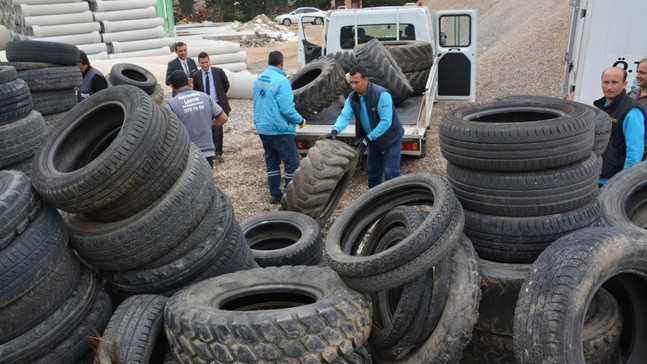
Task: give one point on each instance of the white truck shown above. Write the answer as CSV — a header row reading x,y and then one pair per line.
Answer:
x,y
452,76
603,34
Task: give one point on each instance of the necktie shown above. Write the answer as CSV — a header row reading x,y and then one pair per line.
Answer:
x,y
186,67
207,86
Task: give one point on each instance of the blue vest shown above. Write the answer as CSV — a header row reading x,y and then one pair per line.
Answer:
x,y
392,135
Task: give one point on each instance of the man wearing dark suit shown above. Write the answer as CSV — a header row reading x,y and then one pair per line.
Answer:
x,y
213,81
182,62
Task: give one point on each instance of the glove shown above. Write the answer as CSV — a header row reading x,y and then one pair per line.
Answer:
x,y
361,144
331,135
303,123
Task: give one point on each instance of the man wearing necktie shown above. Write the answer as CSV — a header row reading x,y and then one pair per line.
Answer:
x,y
213,81
182,62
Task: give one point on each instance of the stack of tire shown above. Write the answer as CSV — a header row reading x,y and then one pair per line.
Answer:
x,y
525,170
52,73
418,267
22,130
139,199
49,301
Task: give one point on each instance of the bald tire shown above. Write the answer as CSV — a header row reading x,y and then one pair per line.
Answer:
x,y
19,205
317,85
132,74
318,319
321,180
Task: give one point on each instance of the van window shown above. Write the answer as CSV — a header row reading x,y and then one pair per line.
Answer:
x,y
455,31
382,32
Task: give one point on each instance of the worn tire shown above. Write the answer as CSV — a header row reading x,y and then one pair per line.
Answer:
x,y
21,138
54,102
101,151
52,78
554,299
42,51
7,73
526,194
132,74
346,59
279,238
315,306
19,205
321,179
411,55
317,85
135,332
383,70
15,101
623,200
517,135
418,81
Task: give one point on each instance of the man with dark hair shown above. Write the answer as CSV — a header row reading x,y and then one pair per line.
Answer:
x,y
197,111
640,93
275,118
627,139
93,79
182,62
376,126
213,81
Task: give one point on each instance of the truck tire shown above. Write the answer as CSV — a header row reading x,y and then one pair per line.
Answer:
x,y
411,55
517,135
321,179
279,238
383,70
314,304
548,323
521,239
7,74
42,51
52,102
15,101
346,59
436,236
418,81
135,332
317,85
132,74
19,205
21,138
52,78
622,199
103,149
524,194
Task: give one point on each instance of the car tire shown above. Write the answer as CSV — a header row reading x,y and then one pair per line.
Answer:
x,y
15,101
42,51
132,74
52,78
623,201
21,138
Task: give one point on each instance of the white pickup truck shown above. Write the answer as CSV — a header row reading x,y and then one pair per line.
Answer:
x,y
451,77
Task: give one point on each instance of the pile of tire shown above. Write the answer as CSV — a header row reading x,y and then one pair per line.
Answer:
x,y
419,268
138,197
525,169
49,302
22,129
51,70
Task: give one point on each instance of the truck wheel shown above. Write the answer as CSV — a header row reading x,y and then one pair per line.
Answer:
x,y
321,179
515,135
383,70
548,325
411,55
264,314
15,101
317,85
42,51
20,205
279,238
622,200
535,193
132,74
418,81
52,78
346,60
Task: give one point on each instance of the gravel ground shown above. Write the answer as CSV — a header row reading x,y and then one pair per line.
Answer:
x,y
521,48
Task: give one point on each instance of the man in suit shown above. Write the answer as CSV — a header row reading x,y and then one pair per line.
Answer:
x,y
213,81
182,62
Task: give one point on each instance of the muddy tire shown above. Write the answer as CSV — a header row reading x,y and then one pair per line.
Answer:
x,y
132,74
21,138
19,205
41,51
52,78
317,85
315,305
383,70
321,179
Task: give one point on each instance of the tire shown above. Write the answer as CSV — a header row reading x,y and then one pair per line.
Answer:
x,y
52,78
15,101
126,244
623,200
135,332
548,323
158,95
517,135
22,66
346,59
52,120
489,348
21,138
526,194
94,166
41,51
521,239
286,22
424,248
19,205
317,21
279,238
7,74
317,85
53,102
418,81
383,70
315,305
321,179
411,55
132,74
